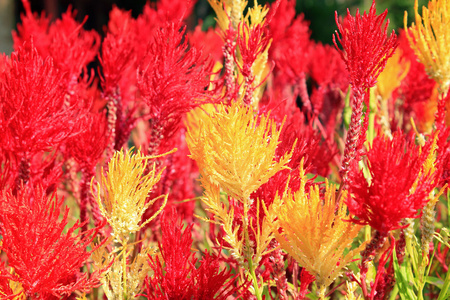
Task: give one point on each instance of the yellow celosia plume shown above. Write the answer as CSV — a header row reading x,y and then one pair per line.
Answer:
x,y
313,231
256,14
430,37
122,194
228,10
393,74
235,149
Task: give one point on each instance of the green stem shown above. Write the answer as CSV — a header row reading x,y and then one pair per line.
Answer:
x,y
255,280
124,267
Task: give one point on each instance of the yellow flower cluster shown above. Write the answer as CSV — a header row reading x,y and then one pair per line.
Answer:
x,y
393,74
122,194
430,37
235,150
122,200
313,230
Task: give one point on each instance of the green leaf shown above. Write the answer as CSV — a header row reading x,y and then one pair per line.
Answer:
x,y
434,281
405,285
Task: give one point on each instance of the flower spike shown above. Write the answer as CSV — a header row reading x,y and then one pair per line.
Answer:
x,y
125,190
366,49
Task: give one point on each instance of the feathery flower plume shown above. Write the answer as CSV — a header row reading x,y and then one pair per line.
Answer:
x,y
402,177
312,229
172,79
429,37
366,49
122,194
235,150
175,273
46,261
253,43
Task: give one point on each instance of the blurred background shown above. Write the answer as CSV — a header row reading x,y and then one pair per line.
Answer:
x,y
320,13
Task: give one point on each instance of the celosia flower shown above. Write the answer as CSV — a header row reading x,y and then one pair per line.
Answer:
x,y
172,79
402,177
366,46
122,194
175,275
312,229
430,37
46,259
235,150
71,47
366,49
32,100
253,43
290,50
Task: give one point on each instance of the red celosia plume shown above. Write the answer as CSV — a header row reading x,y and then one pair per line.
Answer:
x,y
32,99
366,46
45,260
175,275
399,186
172,78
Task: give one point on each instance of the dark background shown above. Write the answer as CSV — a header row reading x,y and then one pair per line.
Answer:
x,y
320,13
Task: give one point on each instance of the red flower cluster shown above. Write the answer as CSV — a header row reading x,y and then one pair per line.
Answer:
x,y
45,260
399,187
176,277
172,78
366,47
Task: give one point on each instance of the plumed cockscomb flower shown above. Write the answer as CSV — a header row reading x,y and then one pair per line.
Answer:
x,y
236,150
122,194
253,43
429,37
366,46
118,53
402,177
32,100
172,77
46,259
366,49
311,228
175,275
71,47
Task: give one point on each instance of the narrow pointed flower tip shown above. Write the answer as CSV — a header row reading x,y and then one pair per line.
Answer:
x,y
314,231
173,77
402,177
429,36
65,40
122,194
228,12
236,149
365,45
45,255
254,43
397,67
